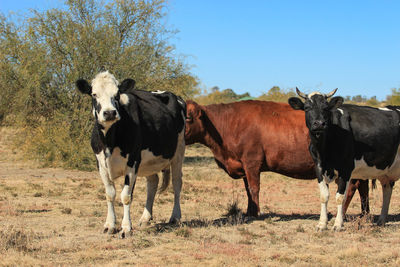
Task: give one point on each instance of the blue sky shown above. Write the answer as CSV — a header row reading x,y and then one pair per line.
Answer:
x,y
250,46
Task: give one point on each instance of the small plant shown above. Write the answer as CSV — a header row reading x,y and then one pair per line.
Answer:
x,y
183,232
17,239
300,229
66,210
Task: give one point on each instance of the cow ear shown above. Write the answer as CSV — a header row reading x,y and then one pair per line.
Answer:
x,y
127,85
83,86
336,102
296,103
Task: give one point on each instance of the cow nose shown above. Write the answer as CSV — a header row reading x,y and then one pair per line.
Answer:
x,y
318,125
110,115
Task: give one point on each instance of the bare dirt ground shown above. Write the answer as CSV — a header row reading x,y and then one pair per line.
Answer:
x,y
52,217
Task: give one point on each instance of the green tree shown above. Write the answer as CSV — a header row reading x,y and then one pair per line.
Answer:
x,y
394,98
42,57
277,94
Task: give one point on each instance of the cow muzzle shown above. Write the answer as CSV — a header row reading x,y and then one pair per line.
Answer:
x,y
318,127
110,115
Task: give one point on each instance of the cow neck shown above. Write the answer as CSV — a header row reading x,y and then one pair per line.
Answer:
x,y
320,145
213,140
107,138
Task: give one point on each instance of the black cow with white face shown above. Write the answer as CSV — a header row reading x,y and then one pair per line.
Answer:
x,y
350,141
136,133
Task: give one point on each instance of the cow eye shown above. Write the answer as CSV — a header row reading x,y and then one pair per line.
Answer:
x,y
94,95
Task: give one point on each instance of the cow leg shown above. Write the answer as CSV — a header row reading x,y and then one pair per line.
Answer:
x,y
324,198
387,194
252,185
176,170
340,199
353,185
152,184
363,190
126,199
109,225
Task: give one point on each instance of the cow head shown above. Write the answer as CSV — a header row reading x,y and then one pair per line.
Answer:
x,y
194,129
317,109
107,95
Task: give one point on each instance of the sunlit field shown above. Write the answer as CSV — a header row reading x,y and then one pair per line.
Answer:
x,y
55,217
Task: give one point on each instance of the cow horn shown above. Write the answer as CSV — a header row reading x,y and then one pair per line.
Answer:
x,y
331,93
300,93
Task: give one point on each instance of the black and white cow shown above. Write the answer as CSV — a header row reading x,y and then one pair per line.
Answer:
x,y
136,133
349,140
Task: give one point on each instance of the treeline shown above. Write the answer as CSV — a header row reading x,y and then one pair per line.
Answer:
x,y
215,95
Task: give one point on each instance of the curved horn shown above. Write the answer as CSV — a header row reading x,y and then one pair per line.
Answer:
x,y
300,93
331,93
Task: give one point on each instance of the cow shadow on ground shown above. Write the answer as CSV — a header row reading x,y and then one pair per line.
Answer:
x,y
232,220
241,219
198,160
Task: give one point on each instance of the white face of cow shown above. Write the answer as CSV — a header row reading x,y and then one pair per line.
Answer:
x,y
105,96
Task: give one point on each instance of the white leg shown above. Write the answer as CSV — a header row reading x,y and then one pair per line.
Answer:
x,y
152,184
109,225
387,194
126,199
324,197
340,198
176,170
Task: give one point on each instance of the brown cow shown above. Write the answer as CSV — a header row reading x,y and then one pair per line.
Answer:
x,y
250,137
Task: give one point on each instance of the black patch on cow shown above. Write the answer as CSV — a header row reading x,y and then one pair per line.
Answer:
x,y
126,180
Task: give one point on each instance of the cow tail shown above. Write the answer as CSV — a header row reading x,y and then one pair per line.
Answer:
x,y
373,184
166,177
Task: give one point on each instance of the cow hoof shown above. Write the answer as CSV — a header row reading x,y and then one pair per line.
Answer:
x,y
125,233
380,222
144,223
110,230
174,221
321,227
336,228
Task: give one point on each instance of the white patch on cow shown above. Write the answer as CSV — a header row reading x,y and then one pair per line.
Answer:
x,y
151,164
363,171
126,196
340,198
324,197
398,110
313,94
340,110
385,109
117,163
105,88
110,192
158,92
124,99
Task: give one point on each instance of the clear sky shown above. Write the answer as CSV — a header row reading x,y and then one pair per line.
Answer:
x,y
253,45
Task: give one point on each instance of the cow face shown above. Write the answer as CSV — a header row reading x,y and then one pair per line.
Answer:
x,y
194,129
318,110
106,91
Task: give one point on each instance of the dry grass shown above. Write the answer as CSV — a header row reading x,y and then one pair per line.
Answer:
x,y
54,217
